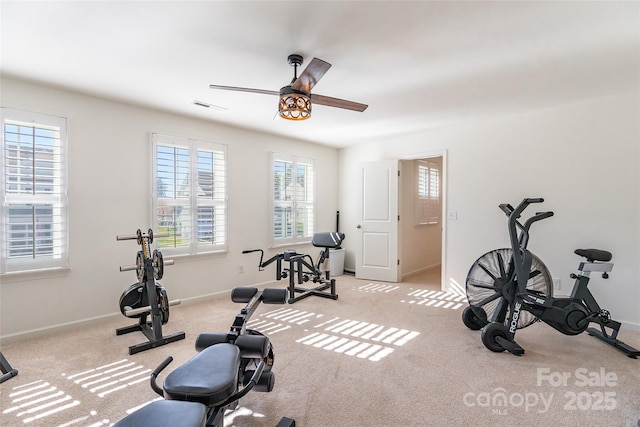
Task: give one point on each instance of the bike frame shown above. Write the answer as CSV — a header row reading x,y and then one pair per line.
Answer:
x,y
520,264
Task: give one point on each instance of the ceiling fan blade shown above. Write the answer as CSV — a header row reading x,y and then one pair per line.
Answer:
x,y
338,103
310,76
245,89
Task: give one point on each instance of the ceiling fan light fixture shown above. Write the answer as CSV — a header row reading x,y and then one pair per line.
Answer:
x,y
294,105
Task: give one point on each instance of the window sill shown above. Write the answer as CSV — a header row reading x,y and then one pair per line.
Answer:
x,y
282,245
194,257
21,276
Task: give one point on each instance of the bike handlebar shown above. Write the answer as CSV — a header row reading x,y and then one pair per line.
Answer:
x,y
534,200
514,214
506,208
156,372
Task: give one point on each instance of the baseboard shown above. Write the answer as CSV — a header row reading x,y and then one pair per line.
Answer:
x,y
421,270
632,326
405,275
63,327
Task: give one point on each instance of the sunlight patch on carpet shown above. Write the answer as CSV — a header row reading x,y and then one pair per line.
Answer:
x,y
110,378
350,337
374,342
37,400
377,287
431,298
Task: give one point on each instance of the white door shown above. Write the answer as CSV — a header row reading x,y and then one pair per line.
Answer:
x,y
377,229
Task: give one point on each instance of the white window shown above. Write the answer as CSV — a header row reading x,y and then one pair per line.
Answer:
x,y
293,186
189,195
34,230
428,193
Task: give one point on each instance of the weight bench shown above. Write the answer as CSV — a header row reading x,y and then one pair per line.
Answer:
x,y
226,367
302,269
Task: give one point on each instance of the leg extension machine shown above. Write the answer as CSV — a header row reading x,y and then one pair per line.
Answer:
x,y
302,269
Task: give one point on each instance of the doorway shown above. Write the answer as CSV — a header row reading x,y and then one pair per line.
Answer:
x,y
421,207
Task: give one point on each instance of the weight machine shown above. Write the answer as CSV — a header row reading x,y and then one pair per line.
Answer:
x,y
7,370
147,296
226,367
301,268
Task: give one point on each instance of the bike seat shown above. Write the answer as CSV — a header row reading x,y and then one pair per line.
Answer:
x,y
209,377
594,254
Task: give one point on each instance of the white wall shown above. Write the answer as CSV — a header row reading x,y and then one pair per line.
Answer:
x,y
584,159
110,194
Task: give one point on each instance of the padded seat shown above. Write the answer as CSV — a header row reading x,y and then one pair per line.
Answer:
x,y
209,377
329,239
167,413
594,254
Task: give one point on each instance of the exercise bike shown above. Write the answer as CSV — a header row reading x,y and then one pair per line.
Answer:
x,y
226,368
511,288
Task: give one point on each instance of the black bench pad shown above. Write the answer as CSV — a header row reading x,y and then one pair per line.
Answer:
x,y
167,413
327,240
209,377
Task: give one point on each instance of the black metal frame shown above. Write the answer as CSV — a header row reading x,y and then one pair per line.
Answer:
x,y
547,309
300,271
151,329
253,298
7,370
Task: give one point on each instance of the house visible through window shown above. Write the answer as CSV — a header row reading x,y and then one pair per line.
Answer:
x,y
428,192
34,192
293,200
190,194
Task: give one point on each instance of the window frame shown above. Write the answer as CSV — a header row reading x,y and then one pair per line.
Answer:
x,y
193,146
294,204
60,258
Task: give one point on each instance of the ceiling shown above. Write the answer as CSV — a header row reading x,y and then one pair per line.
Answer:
x,y
418,65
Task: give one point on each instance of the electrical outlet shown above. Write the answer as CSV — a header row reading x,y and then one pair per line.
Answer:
x,y
241,269
556,284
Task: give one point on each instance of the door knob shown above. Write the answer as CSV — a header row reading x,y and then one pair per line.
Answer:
x,y
358,226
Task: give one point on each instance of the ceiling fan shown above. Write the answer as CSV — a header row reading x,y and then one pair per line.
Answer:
x,y
296,98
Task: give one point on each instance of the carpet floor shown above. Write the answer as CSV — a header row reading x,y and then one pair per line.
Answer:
x,y
383,354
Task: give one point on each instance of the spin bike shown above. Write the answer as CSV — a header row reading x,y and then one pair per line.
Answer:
x,y
509,289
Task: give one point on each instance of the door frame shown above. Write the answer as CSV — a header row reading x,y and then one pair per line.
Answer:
x,y
443,215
